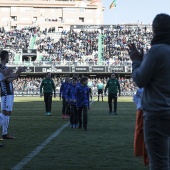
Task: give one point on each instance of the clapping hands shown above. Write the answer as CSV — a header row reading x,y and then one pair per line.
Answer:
x,y
134,53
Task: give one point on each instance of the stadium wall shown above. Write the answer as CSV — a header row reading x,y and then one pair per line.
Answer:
x,y
76,69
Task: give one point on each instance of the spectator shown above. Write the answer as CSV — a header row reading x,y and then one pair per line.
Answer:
x,y
152,72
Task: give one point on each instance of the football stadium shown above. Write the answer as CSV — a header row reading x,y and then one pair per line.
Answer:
x,y
68,38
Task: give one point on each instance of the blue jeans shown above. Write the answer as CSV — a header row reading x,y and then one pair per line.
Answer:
x,y
156,136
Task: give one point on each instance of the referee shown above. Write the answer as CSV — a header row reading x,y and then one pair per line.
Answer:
x,y
48,87
100,87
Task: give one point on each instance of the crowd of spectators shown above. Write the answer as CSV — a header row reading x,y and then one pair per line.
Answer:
x,y
15,40
79,47
82,46
31,85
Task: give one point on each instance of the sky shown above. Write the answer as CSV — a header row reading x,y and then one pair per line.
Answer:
x,y
134,11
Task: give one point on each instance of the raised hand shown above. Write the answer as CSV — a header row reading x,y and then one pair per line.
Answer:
x,y
135,55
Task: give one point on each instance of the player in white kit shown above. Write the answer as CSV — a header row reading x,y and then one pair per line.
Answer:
x,y
7,94
4,75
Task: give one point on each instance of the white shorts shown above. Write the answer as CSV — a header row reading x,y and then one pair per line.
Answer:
x,y
7,102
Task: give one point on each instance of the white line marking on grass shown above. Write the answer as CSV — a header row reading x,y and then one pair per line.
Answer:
x,y
39,148
28,158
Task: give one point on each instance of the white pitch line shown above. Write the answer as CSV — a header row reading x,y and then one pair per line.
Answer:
x,y
28,158
39,148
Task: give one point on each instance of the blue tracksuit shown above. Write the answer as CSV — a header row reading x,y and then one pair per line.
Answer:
x,y
63,90
82,103
71,99
82,96
70,94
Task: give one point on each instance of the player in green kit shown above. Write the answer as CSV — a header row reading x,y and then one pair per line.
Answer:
x,y
48,87
113,88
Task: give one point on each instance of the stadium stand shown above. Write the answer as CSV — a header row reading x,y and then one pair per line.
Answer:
x,y
73,48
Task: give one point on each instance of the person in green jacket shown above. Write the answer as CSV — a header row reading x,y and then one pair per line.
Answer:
x,y
48,87
113,89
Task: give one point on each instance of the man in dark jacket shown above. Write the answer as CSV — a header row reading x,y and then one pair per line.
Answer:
x,y
152,72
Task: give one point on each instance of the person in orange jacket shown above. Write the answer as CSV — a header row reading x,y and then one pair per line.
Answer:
x,y
139,144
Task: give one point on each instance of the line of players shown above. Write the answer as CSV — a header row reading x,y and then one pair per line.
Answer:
x,y
75,96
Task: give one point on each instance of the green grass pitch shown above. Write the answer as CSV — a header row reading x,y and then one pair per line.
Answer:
x,y
107,145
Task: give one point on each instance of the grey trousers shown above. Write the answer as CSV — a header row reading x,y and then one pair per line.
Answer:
x,y
157,139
